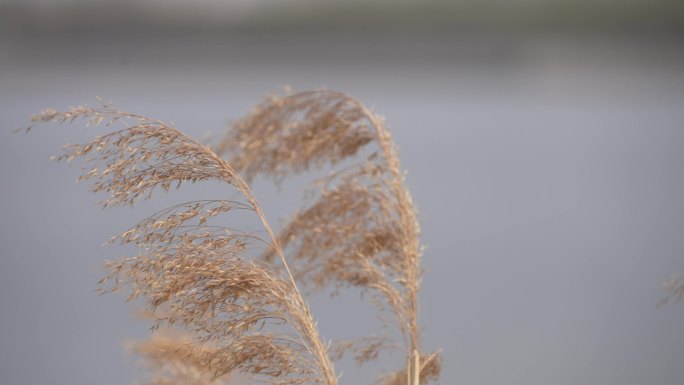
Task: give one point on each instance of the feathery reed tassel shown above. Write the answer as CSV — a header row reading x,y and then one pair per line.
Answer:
x,y
361,230
172,359
192,274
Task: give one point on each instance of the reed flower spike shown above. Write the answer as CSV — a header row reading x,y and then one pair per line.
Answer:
x,y
192,274
361,228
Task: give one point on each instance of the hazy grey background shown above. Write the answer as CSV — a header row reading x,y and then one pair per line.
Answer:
x,y
543,141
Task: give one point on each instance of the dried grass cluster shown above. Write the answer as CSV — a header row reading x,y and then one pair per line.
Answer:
x,y
174,360
243,308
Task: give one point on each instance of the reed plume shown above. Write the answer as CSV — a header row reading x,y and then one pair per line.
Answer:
x,y
361,229
172,359
191,274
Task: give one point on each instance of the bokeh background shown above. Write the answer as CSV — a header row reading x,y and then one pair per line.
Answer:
x,y
543,141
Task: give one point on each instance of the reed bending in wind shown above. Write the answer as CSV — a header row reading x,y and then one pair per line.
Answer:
x,y
233,292
192,274
361,229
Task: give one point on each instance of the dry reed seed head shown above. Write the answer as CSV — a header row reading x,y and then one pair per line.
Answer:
x,y
361,229
190,273
350,219
130,163
171,359
363,350
295,132
226,302
183,228
351,237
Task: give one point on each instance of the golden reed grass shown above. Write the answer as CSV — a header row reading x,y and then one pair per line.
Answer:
x,y
247,314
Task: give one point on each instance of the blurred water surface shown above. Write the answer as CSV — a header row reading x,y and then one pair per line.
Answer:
x,y
548,171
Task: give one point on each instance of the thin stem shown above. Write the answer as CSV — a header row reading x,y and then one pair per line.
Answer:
x,y
318,349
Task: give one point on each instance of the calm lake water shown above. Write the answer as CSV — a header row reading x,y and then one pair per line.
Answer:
x,y
548,172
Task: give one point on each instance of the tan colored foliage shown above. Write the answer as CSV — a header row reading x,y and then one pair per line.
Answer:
x,y
247,314
173,359
192,274
361,229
